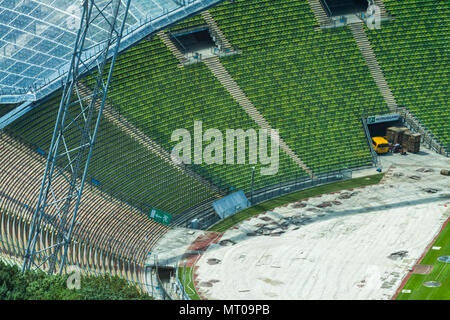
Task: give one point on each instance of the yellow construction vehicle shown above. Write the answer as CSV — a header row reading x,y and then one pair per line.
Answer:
x,y
380,145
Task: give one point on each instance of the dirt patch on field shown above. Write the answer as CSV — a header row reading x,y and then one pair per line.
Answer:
x,y
200,244
422,269
324,204
299,205
425,170
345,195
206,284
431,190
204,241
227,242
277,233
213,261
271,281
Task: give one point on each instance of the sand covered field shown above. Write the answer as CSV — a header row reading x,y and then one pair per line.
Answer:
x,y
354,244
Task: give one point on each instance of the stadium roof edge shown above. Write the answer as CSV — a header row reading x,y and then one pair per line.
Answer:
x,y
27,101
146,27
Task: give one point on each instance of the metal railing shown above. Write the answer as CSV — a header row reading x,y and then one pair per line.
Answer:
x,y
208,216
170,290
413,123
325,6
433,142
374,155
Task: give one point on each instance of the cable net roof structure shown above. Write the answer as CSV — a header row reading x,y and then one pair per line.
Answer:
x,y
37,38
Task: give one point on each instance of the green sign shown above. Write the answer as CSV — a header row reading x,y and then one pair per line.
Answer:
x,y
160,216
383,118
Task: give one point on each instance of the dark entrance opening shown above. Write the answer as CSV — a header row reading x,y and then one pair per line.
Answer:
x,y
379,129
164,277
194,41
165,274
344,7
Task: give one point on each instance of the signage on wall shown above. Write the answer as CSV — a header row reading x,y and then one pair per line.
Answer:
x,y
160,216
383,118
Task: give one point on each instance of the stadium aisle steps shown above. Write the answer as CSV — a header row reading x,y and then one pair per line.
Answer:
x,y
125,169
233,88
127,127
173,48
313,85
372,62
380,3
412,50
319,12
216,30
159,98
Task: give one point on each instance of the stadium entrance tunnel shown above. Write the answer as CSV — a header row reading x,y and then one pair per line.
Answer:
x,y
165,274
335,8
380,129
195,41
163,279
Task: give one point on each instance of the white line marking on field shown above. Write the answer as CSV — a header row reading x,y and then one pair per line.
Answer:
x,y
406,291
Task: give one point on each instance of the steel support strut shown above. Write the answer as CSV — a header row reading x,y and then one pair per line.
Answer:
x,y
73,140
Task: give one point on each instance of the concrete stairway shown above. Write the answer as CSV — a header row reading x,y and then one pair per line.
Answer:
x,y
375,69
427,137
372,62
384,13
236,92
214,28
123,124
173,48
319,12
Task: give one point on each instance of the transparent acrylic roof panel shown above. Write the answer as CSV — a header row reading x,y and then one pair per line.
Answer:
x,y
37,36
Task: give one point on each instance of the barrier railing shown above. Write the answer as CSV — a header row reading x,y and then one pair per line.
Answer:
x,y
208,217
375,159
412,122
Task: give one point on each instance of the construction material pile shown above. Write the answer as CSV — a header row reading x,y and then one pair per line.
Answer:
x,y
408,140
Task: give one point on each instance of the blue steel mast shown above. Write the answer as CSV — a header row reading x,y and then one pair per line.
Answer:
x,y
62,185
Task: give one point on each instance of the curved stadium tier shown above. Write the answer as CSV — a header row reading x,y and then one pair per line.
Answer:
x,y
413,50
313,85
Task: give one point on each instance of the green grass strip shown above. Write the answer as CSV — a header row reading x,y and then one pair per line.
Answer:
x,y
440,273
293,197
189,285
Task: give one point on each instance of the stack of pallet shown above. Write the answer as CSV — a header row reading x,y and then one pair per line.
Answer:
x,y
403,136
411,141
395,134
